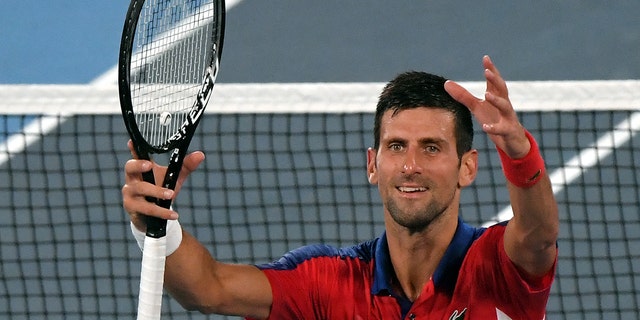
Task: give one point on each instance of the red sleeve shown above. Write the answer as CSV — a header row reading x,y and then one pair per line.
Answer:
x,y
292,297
518,295
301,292
312,282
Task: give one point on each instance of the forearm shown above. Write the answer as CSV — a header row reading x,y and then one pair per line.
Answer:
x,y
535,215
186,265
199,282
189,273
530,239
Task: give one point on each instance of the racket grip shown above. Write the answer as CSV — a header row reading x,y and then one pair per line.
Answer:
x,y
156,227
152,279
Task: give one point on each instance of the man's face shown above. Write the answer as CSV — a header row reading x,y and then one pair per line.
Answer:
x,y
417,168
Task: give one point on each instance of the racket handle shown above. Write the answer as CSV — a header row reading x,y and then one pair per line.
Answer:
x,y
156,227
171,176
152,278
148,175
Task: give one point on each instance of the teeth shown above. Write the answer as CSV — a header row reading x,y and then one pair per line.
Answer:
x,y
412,189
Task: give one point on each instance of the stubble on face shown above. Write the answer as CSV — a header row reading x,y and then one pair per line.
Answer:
x,y
415,217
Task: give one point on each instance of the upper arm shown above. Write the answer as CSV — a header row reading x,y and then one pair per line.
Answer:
x,y
246,291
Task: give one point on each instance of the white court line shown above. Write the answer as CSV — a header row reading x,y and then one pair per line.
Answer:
x,y
585,160
31,133
19,142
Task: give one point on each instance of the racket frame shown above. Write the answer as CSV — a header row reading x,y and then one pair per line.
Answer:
x,y
180,141
154,251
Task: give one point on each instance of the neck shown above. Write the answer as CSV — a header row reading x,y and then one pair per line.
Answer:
x,y
416,255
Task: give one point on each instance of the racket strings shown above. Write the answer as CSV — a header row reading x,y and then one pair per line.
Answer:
x,y
171,53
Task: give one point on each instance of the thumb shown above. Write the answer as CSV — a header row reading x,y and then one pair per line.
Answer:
x,y
191,162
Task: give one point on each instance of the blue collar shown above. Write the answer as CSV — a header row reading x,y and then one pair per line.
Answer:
x,y
446,274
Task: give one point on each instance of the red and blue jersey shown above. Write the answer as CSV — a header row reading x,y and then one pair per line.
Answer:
x,y
474,280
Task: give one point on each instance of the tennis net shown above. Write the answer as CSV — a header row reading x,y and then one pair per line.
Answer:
x,y
285,167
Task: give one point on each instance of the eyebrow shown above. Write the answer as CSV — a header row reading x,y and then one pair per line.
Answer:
x,y
438,141
423,141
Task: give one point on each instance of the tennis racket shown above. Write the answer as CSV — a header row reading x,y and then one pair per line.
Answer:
x,y
169,58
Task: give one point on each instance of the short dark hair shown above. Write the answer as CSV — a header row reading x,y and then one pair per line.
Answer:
x,y
415,89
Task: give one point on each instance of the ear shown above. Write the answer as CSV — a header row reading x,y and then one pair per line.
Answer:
x,y
468,168
371,166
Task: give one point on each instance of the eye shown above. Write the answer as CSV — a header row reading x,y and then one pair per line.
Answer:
x,y
431,149
396,147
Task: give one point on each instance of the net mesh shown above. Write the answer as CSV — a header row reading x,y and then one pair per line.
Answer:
x,y
276,180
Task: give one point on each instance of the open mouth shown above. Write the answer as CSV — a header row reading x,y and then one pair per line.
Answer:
x,y
411,189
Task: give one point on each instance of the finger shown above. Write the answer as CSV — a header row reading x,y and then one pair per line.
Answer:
x,y
138,207
495,82
137,195
502,104
489,65
132,149
192,161
134,168
461,95
507,115
141,188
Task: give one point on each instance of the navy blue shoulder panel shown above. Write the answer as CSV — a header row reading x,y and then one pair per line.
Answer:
x,y
292,259
446,274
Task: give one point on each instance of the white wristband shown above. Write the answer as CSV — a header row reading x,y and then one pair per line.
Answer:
x,y
173,237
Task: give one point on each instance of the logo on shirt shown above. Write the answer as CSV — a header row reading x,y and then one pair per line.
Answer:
x,y
458,315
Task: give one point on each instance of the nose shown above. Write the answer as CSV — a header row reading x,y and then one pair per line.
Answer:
x,y
409,167
411,164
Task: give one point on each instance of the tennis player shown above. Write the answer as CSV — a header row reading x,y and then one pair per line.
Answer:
x,y
428,264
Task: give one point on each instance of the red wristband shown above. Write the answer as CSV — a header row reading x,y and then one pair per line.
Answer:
x,y
524,172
